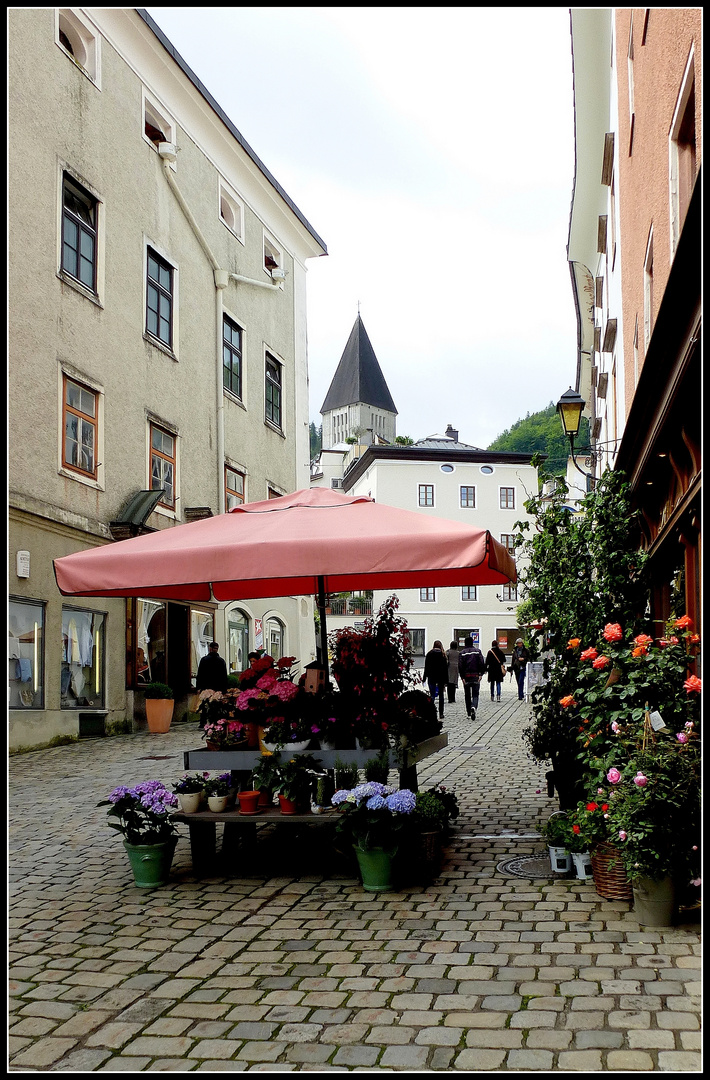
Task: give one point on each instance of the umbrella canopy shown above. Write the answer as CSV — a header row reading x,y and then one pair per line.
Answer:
x,y
312,541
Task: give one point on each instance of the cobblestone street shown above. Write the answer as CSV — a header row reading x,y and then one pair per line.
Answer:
x,y
292,966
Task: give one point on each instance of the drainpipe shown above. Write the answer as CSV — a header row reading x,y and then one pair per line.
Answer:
x,y
168,153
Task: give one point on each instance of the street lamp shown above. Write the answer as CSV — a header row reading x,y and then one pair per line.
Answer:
x,y
570,408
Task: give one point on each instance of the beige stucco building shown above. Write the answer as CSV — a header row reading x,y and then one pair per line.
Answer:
x,y
158,365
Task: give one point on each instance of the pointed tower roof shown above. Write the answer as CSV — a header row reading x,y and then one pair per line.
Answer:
x,y
358,376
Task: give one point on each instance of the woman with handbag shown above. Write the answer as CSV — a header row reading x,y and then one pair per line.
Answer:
x,y
495,666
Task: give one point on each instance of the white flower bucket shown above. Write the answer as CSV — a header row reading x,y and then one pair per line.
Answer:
x,y
582,864
560,860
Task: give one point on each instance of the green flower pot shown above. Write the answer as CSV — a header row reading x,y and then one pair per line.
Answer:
x,y
150,862
375,869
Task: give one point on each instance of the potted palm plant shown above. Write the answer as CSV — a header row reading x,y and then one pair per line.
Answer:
x,y
159,705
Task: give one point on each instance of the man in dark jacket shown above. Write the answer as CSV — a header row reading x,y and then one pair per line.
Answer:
x,y
471,668
519,663
212,671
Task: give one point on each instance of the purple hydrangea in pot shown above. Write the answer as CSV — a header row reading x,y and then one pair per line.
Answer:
x,y
143,816
376,820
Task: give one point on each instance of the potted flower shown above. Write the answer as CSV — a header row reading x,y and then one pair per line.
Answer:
x,y
159,705
294,781
375,820
557,831
639,722
142,816
190,790
265,776
217,792
224,734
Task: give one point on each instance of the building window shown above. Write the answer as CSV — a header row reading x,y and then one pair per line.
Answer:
x,y
416,641
201,635
77,40
162,465
275,638
508,542
145,643
82,674
234,487
683,152
469,592
232,356
238,646
273,257
159,299
468,498
510,592
25,638
273,391
460,636
648,292
507,498
426,494
231,211
427,596
80,426
79,233
157,126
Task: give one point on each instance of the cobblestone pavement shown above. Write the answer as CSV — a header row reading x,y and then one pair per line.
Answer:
x,y
292,966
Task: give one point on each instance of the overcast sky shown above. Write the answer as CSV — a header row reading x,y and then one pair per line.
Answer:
x,y
432,150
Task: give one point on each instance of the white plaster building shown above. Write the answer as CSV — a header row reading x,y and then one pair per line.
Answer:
x,y
158,363
438,475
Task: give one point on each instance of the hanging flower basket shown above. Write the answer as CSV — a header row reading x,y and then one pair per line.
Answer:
x,y
610,878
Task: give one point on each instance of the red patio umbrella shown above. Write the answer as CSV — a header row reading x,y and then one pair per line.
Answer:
x,y
313,541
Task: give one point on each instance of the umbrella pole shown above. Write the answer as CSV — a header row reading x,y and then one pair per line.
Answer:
x,y
323,628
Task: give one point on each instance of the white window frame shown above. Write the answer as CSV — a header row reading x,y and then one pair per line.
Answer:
x,y
687,84
275,250
99,482
156,421
225,389
174,350
269,354
426,506
167,124
85,40
74,283
235,208
475,497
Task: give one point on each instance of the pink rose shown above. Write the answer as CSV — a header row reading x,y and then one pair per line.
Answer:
x,y
640,780
682,736
622,834
615,727
613,776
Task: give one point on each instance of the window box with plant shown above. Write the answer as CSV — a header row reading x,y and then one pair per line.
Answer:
x,y
159,705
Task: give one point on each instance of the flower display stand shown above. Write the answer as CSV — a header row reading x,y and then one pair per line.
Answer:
x,y
239,827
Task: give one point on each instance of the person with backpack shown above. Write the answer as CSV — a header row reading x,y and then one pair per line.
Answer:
x,y
471,668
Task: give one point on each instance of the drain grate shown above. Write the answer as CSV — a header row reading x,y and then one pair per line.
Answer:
x,y
157,757
527,866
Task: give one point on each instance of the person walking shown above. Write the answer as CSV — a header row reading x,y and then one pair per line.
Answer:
x,y
452,655
495,666
212,671
471,668
519,663
436,673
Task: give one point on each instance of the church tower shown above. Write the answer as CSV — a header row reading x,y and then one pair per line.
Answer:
x,y
358,402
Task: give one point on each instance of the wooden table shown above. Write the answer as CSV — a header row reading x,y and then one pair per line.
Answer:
x,y
238,826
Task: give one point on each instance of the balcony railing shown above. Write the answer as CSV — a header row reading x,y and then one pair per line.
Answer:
x,y
352,606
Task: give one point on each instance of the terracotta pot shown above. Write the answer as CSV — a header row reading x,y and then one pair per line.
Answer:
x,y
159,714
248,801
251,732
286,806
266,798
